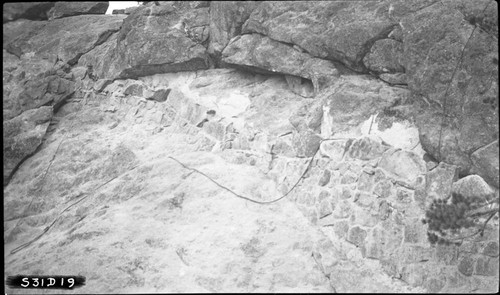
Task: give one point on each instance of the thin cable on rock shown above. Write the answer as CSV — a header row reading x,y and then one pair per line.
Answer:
x,y
249,199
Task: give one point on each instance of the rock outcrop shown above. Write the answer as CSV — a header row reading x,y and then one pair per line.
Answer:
x,y
160,39
22,135
65,9
316,130
26,10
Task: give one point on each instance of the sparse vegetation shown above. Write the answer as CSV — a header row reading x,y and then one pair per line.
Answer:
x,y
453,219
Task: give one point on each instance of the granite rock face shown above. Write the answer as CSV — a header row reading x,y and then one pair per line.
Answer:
x,y
22,135
331,30
159,39
96,108
456,79
226,21
65,9
26,10
263,53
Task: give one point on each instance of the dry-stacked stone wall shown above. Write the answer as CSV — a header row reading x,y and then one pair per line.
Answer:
x,y
374,196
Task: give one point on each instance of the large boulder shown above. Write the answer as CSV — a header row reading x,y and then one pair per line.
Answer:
x,y
66,39
160,39
226,21
65,9
473,186
452,67
26,10
21,136
32,83
40,75
336,30
257,51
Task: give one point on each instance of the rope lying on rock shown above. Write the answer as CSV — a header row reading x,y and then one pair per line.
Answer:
x,y
249,199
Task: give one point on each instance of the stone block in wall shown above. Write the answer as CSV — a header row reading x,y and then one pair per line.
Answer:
x,y
486,266
324,195
447,255
364,199
135,89
367,148
414,232
325,178
420,193
335,193
491,249
342,210
466,266
390,267
383,240
363,218
404,195
348,178
340,228
384,210
414,274
334,149
306,143
439,182
334,179
307,198
403,165
356,235
435,284
473,186
365,182
324,208
455,279
483,284
346,192
413,254
468,247
384,189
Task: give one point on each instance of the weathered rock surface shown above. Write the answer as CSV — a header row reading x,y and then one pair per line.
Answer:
x,y
351,218
349,102
452,64
404,165
65,9
257,51
82,33
21,137
485,162
332,30
226,21
32,84
160,39
26,10
385,56
473,186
